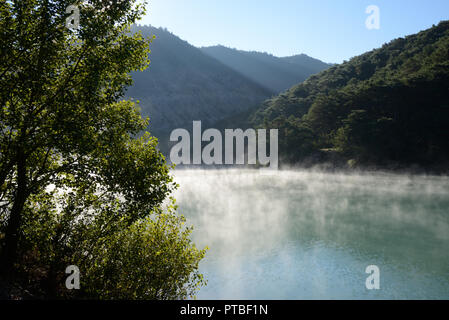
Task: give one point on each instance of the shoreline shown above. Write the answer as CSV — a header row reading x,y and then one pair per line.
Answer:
x,y
325,168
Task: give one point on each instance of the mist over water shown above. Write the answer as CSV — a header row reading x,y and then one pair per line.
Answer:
x,y
310,235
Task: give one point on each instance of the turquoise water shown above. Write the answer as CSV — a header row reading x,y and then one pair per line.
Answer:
x,y
311,235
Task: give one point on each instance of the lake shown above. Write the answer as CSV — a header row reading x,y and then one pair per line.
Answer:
x,y
305,234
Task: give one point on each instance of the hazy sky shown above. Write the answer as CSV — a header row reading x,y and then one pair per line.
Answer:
x,y
330,30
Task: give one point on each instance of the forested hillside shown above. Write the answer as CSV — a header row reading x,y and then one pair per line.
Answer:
x,y
388,106
183,84
274,73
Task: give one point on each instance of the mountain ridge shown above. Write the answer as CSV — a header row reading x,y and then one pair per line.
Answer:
x,y
183,84
274,73
388,106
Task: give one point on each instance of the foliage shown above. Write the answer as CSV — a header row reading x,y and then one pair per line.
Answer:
x,y
72,171
387,105
162,245
153,258
295,134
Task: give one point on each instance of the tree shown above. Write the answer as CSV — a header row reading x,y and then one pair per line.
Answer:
x,y
70,163
294,133
159,243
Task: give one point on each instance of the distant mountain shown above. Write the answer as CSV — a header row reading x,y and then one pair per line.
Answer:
x,y
308,63
183,84
273,73
387,107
